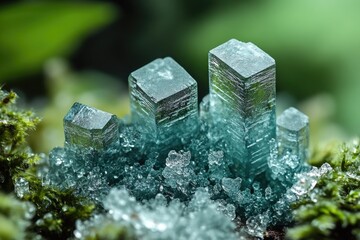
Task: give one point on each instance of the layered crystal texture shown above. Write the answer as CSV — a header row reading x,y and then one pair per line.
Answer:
x,y
90,127
163,97
293,133
242,102
171,174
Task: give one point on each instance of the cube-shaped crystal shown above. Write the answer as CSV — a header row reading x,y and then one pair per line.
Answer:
x,y
242,102
90,127
163,98
293,133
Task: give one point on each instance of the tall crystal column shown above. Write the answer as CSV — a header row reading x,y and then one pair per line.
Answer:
x,y
242,102
90,127
293,133
163,99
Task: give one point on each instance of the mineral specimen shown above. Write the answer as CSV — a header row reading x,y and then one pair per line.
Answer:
x,y
173,173
163,97
293,133
90,127
242,102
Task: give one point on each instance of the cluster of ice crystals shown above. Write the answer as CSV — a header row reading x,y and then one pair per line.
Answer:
x,y
158,219
256,225
177,172
232,187
174,173
217,168
306,182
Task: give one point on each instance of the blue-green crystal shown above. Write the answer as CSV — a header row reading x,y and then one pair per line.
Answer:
x,y
242,102
164,103
184,174
90,127
293,133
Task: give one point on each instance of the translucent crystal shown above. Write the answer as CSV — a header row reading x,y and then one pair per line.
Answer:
x,y
307,181
284,168
256,225
293,133
163,98
227,209
268,193
83,169
169,174
242,102
90,127
21,187
231,187
158,220
177,173
218,168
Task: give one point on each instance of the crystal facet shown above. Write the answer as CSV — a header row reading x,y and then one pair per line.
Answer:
x,y
293,133
90,127
163,97
242,101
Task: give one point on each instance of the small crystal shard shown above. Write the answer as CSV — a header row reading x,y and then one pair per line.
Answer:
x,y
307,181
231,187
164,100
293,133
21,187
242,101
90,127
178,172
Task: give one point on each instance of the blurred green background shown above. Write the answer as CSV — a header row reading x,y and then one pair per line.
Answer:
x,y
57,52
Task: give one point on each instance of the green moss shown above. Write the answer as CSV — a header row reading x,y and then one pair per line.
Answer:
x,y
56,211
331,209
15,156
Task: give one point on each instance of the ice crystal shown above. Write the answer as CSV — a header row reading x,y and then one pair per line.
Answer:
x,y
293,133
87,126
156,219
21,187
242,102
163,97
174,173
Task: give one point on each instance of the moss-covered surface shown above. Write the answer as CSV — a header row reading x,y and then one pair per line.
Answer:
x,y
15,157
332,209
54,211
